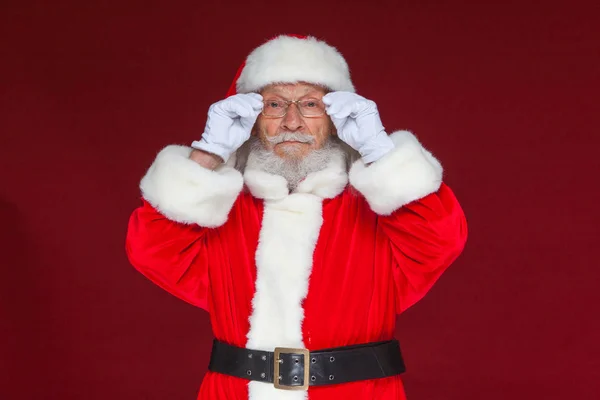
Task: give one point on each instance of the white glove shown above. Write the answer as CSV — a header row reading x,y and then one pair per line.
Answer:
x,y
358,124
229,124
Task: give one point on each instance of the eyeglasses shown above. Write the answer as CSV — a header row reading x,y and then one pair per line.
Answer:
x,y
307,108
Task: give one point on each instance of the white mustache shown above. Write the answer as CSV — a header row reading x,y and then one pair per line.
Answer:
x,y
291,136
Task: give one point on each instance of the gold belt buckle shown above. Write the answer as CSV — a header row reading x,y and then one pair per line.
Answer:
x,y
286,350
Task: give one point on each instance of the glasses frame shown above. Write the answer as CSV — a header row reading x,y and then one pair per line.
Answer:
x,y
287,106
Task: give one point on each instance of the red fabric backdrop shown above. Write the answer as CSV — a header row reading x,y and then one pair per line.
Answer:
x,y
505,95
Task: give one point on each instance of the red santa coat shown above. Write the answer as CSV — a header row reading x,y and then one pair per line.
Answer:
x,y
328,265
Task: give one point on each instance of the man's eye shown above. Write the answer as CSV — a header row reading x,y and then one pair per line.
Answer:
x,y
273,104
310,103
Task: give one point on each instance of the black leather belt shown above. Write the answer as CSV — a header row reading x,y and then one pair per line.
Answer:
x,y
296,369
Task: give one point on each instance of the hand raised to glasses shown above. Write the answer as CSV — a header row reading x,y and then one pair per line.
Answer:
x,y
229,124
357,122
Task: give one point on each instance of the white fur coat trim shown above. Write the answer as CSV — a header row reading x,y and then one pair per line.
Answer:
x,y
284,256
326,184
291,59
408,173
183,191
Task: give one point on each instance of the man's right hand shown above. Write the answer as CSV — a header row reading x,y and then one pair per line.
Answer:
x,y
229,124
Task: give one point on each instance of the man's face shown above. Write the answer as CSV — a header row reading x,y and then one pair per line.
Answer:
x,y
317,128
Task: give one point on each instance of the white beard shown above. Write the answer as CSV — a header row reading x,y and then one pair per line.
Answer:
x,y
294,171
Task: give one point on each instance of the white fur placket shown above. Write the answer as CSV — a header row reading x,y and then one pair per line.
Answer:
x,y
290,229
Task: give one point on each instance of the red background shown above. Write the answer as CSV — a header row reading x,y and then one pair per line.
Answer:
x,y
505,95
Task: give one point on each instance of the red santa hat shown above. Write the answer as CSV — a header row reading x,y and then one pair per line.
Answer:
x,y
291,59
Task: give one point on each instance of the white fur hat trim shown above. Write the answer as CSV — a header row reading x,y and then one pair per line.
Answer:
x,y
288,59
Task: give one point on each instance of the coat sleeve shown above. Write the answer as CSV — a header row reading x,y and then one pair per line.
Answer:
x,y
167,235
419,214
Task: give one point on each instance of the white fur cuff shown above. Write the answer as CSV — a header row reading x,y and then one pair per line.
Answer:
x,y
183,191
407,173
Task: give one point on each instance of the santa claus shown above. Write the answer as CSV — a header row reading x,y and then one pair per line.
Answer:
x,y
301,226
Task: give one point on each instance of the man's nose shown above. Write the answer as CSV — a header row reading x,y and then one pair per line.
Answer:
x,y
292,121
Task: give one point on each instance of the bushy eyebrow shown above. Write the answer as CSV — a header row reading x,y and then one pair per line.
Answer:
x,y
278,93
282,91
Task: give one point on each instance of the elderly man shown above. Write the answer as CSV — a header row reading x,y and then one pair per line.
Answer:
x,y
301,226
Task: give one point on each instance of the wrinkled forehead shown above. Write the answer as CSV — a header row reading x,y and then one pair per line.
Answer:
x,y
294,90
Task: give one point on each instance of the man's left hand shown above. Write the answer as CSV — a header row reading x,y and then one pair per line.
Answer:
x,y
358,124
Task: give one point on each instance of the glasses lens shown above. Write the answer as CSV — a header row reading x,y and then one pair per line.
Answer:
x,y
312,107
274,108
